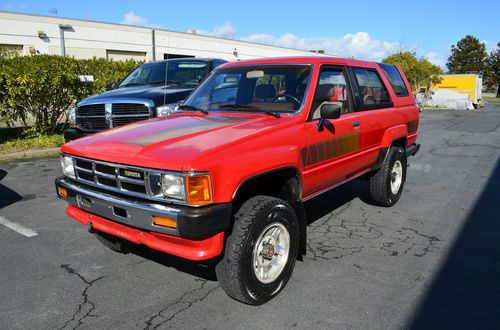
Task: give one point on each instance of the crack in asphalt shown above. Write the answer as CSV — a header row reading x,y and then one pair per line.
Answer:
x,y
182,304
335,236
86,304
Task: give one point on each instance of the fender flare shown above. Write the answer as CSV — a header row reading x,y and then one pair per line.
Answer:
x,y
392,134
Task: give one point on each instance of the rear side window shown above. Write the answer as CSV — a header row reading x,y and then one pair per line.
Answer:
x,y
395,79
372,90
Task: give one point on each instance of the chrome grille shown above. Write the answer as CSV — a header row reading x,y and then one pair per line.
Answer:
x,y
105,115
90,110
126,113
91,117
130,109
128,180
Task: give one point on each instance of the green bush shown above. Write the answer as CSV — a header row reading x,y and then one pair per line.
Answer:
x,y
44,87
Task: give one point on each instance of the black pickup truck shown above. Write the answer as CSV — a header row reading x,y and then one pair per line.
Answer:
x,y
153,89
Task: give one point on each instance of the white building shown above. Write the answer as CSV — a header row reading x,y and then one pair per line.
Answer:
x,y
35,34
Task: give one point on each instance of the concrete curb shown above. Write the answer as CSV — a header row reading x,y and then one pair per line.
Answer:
x,y
30,154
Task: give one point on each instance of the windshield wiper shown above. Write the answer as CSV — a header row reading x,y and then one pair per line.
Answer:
x,y
190,107
132,84
245,107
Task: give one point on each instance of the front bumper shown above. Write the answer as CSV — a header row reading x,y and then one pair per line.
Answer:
x,y
194,225
73,133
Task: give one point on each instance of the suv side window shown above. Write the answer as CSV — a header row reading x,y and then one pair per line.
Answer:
x,y
395,79
373,94
332,87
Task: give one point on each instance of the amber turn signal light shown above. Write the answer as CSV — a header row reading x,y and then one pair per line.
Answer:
x,y
62,191
164,222
199,189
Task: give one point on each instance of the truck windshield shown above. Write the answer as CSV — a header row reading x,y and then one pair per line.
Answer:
x,y
253,88
179,73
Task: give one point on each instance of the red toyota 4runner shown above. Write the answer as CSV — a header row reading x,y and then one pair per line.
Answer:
x,y
226,176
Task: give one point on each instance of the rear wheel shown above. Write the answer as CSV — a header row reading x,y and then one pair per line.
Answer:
x,y
114,243
261,251
387,184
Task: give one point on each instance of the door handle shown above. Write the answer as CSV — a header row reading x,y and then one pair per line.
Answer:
x,y
356,124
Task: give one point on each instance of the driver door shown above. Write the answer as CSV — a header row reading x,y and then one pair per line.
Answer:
x,y
330,155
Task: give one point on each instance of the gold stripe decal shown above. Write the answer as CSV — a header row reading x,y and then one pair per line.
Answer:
x,y
331,148
194,126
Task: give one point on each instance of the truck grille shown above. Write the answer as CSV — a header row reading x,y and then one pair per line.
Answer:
x,y
93,116
126,113
112,177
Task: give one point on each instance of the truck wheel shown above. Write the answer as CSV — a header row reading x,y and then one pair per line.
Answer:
x,y
114,243
261,251
386,185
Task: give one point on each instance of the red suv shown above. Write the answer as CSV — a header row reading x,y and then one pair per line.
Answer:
x,y
225,177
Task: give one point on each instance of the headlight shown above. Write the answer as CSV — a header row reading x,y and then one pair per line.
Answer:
x,y
172,186
195,189
68,167
167,109
72,117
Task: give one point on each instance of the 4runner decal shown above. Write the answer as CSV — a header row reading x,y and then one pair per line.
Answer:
x,y
324,150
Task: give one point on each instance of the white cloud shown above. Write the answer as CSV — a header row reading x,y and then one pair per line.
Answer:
x,y
359,45
490,45
226,30
435,59
132,19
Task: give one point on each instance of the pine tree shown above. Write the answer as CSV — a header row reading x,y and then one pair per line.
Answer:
x,y
467,56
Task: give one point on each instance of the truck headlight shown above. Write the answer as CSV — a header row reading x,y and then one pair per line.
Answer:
x,y
67,166
72,118
167,109
172,186
195,189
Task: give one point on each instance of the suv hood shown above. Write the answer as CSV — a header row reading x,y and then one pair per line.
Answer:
x,y
158,94
168,143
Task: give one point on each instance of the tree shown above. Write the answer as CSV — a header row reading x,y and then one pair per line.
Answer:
x,y
467,56
492,74
418,71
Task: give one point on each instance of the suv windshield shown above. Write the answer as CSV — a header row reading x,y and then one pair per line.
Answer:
x,y
179,73
253,88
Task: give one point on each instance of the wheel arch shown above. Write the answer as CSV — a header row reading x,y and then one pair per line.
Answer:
x,y
283,182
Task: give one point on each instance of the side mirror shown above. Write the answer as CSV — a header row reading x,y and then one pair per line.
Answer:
x,y
328,110
111,85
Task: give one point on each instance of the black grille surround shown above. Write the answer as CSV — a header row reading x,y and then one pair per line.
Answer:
x,y
101,116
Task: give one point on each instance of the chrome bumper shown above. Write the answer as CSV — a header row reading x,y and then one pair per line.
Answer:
x,y
194,223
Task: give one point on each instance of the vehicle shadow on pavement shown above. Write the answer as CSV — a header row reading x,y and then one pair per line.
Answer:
x,y
329,201
465,293
204,270
315,209
7,196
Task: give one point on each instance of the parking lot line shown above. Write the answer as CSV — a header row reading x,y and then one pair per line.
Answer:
x,y
17,227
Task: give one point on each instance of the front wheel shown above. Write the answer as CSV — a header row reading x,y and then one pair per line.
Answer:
x,y
261,251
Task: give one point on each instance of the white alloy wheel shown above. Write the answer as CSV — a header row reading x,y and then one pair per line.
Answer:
x,y
270,253
396,177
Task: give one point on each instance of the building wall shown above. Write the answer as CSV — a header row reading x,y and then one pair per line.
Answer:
x,y
87,39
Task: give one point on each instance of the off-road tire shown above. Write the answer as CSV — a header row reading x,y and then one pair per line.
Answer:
x,y
114,243
235,270
380,182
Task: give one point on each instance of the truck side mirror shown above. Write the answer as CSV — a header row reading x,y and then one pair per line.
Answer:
x,y
111,85
328,110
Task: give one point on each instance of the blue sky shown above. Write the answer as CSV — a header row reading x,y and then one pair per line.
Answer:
x,y
364,29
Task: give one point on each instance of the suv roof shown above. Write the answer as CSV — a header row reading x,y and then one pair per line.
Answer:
x,y
303,59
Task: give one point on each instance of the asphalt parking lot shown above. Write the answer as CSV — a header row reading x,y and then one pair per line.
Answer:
x,y
431,261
